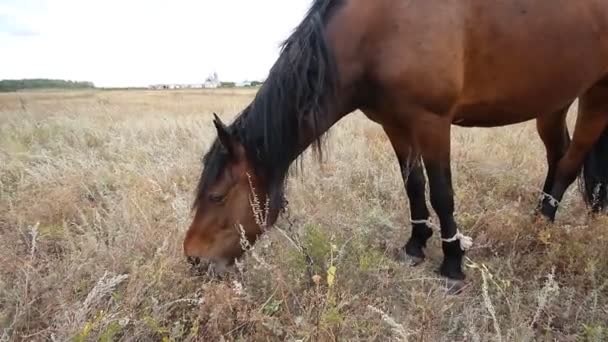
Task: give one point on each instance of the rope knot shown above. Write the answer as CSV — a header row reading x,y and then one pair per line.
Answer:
x,y
466,242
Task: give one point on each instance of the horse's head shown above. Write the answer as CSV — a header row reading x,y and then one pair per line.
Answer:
x,y
226,208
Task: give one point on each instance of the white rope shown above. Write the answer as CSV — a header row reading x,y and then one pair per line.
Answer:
x,y
426,222
552,200
466,242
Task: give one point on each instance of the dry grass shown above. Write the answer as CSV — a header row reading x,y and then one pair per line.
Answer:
x,y
95,190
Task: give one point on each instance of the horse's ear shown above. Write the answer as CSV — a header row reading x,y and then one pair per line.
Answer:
x,y
219,125
223,134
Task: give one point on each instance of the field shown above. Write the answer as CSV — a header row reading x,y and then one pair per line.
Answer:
x,y
95,196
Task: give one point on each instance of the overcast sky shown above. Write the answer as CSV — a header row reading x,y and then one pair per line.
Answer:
x,y
141,42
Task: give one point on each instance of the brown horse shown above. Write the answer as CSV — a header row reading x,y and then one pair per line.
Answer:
x,y
415,67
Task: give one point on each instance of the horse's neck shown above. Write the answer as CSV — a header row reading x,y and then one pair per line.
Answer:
x,y
313,135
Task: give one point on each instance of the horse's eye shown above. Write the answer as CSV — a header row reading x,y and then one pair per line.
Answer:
x,y
215,198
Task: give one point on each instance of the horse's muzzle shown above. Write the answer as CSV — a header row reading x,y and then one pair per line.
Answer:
x,y
202,266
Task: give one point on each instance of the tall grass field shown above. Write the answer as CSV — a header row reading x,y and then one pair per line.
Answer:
x,y
96,189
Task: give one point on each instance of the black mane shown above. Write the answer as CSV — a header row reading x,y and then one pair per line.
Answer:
x,y
297,95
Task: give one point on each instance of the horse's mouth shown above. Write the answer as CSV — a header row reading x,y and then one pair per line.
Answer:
x,y
214,269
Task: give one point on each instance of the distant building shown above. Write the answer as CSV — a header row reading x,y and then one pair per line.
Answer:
x,y
213,81
180,86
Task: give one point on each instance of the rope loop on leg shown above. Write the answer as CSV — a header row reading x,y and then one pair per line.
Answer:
x,y
466,242
552,200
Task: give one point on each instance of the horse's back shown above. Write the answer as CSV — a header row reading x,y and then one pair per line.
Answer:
x,y
466,57
531,57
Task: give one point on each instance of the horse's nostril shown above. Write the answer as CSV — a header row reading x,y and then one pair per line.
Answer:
x,y
208,267
194,261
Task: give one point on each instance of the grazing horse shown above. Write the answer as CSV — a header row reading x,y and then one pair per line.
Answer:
x,y
415,67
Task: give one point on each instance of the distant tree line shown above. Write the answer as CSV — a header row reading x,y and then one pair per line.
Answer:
x,y
15,85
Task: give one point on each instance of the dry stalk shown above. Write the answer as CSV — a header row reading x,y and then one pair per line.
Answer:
x,y
397,329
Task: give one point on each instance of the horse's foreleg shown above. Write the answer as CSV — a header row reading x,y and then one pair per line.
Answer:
x,y
442,199
410,165
433,134
415,185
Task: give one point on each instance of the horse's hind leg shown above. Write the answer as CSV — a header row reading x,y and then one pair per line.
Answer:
x,y
553,131
590,124
413,177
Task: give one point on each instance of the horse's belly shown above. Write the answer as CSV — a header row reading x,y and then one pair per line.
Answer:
x,y
489,116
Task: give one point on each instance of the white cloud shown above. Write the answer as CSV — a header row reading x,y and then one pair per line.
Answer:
x,y
139,42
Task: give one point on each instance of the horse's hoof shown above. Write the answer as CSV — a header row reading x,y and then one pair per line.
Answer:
x,y
455,286
414,260
410,259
